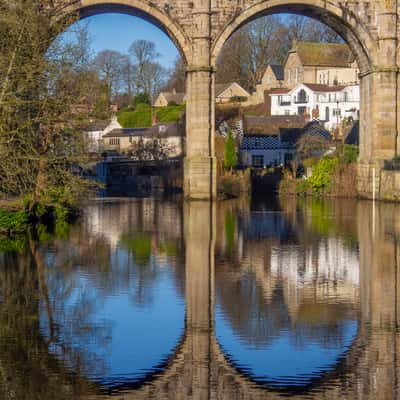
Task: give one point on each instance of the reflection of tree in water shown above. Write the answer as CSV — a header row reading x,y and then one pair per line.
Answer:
x,y
27,371
49,298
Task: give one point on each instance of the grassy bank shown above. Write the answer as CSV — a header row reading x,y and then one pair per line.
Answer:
x,y
141,115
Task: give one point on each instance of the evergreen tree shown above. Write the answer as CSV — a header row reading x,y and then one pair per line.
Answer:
x,y
231,158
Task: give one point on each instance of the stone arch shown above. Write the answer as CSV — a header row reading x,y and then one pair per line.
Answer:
x,y
139,8
341,20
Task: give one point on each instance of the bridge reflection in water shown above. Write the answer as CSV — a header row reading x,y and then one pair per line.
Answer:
x,y
318,281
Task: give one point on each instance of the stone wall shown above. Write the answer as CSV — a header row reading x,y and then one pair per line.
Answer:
x,y
374,182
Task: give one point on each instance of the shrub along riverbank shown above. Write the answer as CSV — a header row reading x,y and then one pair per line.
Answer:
x,y
334,176
18,216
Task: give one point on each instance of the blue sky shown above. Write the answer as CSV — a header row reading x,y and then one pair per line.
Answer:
x,y
118,31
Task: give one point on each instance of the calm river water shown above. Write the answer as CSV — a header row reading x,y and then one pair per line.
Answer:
x,y
161,299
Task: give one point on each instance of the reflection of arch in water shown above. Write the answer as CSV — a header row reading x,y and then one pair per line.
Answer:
x,y
163,369
319,375
343,367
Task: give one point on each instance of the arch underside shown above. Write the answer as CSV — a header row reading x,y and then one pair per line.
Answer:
x,y
138,9
340,20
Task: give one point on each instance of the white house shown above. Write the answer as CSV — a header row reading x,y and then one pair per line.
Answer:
x,y
97,130
160,141
329,104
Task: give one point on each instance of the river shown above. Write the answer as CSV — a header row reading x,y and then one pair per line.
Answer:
x,y
244,299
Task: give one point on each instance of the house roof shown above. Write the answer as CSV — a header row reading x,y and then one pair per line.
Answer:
x,y
161,130
168,129
323,54
271,125
317,87
221,87
173,97
278,71
99,125
278,91
313,128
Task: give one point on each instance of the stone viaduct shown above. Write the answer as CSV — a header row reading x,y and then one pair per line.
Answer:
x,y
200,28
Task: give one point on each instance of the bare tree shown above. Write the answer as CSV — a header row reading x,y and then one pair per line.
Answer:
x,y
266,41
177,78
150,149
150,76
109,64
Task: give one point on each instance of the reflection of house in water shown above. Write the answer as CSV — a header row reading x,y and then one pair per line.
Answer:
x,y
113,220
280,282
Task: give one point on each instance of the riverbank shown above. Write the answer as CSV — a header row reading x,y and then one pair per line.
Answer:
x,y
16,217
334,175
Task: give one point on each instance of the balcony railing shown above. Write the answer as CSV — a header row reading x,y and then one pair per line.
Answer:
x,y
285,103
301,100
340,100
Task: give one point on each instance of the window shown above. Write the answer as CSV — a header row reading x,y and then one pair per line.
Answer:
x,y
269,79
257,161
327,114
114,141
287,112
337,112
302,96
301,110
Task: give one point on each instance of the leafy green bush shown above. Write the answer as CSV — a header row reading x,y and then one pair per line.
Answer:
x,y
141,98
322,178
349,153
13,221
302,187
13,244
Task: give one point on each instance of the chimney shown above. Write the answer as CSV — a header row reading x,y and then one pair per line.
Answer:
x,y
154,119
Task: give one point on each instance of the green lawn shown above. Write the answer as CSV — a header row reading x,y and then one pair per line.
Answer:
x,y
170,113
141,116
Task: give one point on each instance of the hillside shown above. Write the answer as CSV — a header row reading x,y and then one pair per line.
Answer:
x,y
141,116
